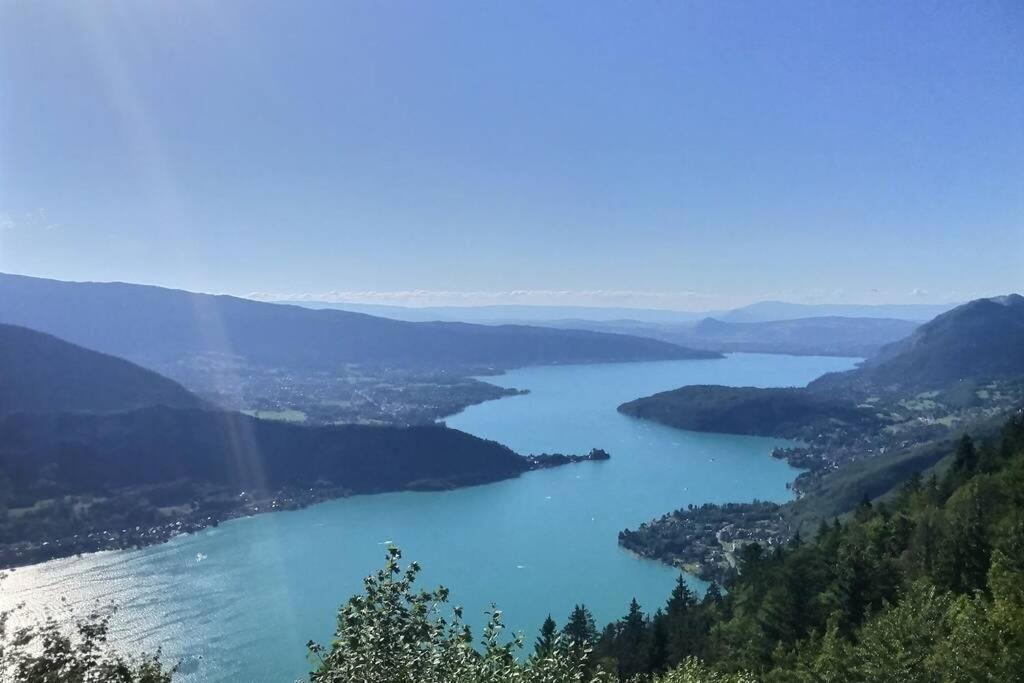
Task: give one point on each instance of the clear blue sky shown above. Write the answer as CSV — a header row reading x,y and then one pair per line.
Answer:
x,y
681,154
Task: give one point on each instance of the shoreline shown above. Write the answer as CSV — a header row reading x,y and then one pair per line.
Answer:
x,y
27,553
248,504
712,561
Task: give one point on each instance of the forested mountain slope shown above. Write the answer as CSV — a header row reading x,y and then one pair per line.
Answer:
x,y
58,454
980,340
41,373
784,412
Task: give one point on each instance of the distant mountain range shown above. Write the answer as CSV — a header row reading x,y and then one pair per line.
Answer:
x,y
501,314
156,326
824,336
764,311
765,327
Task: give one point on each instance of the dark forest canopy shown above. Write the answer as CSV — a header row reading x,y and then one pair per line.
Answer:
x,y
56,454
745,410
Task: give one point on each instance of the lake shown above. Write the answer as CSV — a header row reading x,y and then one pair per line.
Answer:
x,y
239,602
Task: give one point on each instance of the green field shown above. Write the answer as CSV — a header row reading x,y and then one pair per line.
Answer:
x,y
282,415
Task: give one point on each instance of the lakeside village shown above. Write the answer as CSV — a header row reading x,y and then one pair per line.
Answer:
x,y
705,540
134,517
349,394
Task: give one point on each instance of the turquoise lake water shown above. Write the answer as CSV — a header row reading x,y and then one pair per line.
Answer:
x,y
239,602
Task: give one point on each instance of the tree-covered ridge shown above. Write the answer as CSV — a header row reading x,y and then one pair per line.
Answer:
x,y
79,482
978,341
782,412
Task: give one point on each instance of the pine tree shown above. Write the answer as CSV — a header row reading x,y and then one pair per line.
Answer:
x,y
965,459
926,540
605,653
580,632
831,664
713,595
933,490
580,627
681,599
680,620
863,511
913,485
632,647
658,657
546,640
975,549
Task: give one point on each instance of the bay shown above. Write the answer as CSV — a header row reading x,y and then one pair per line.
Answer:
x,y
238,602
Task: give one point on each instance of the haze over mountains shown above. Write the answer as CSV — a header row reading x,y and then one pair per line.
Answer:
x,y
159,327
763,311
958,352
823,336
155,326
763,327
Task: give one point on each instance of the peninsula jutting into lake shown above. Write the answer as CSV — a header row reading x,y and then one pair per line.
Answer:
x,y
511,342
546,520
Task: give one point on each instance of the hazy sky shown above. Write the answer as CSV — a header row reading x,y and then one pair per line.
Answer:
x,y
654,153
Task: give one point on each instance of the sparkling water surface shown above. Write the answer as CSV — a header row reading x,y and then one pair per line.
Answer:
x,y
239,602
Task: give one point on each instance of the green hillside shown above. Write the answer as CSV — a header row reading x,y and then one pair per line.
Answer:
x,y
746,410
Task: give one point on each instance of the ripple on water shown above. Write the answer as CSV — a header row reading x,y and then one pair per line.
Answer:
x,y
268,584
